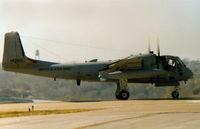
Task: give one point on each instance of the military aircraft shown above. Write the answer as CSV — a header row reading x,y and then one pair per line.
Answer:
x,y
143,68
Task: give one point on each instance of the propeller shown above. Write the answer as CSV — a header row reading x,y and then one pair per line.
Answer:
x,y
149,46
158,45
196,74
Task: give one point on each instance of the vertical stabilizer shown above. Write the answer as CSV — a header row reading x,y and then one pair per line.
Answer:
x,y
13,51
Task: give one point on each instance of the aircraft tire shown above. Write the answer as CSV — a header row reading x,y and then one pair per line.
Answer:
x,y
175,94
117,97
124,95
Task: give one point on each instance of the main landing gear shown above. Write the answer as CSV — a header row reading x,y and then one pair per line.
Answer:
x,y
122,92
175,93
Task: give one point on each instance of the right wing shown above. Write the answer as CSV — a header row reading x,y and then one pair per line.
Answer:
x,y
124,64
128,68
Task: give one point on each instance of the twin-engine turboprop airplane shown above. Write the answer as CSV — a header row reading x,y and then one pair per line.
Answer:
x,y
143,68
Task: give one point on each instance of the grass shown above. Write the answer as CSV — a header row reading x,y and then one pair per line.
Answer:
x,y
43,112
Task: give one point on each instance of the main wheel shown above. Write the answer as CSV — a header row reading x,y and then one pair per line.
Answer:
x,y
175,94
117,97
124,95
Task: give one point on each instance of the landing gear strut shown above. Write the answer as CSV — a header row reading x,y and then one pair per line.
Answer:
x,y
122,92
175,93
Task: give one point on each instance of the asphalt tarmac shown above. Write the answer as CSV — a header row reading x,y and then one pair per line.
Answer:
x,y
131,114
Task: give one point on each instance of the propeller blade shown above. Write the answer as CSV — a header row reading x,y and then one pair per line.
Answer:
x,y
158,45
196,74
149,46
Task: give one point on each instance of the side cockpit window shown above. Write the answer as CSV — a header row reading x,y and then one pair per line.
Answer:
x,y
171,63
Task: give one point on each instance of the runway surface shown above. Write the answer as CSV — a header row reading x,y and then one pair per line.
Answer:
x,y
131,114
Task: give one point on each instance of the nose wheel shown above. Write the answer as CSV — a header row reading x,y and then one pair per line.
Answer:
x,y
175,94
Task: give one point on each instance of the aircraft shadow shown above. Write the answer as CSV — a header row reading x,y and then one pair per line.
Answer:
x,y
188,98
82,101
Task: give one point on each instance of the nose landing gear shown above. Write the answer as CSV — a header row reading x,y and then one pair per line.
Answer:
x,y
175,93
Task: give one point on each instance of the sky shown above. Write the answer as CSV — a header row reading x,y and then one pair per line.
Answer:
x,y
79,30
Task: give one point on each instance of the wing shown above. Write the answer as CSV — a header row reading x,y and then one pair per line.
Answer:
x,y
124,64
129,68
120,65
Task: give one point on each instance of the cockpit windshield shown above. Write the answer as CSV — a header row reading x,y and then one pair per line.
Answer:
x,y
181,62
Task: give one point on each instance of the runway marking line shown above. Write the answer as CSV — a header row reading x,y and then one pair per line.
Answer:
x,y
107,122
135,117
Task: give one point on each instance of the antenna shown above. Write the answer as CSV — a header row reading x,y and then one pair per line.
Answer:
x,y
158,45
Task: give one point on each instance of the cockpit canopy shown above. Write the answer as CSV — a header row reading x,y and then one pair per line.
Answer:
x,y
172,62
